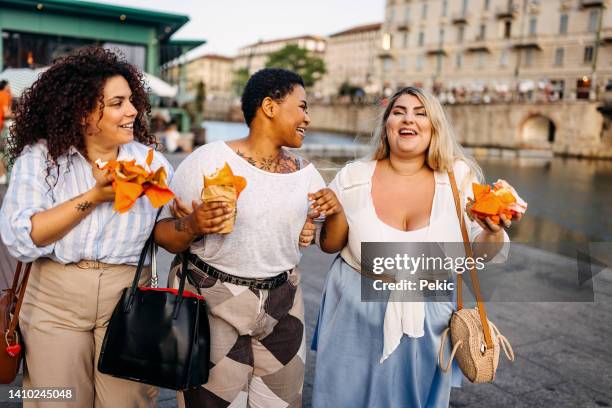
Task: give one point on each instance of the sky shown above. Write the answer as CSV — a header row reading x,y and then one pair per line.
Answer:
x,y
227,25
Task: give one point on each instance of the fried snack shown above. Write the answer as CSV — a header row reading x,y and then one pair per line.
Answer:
x,y
493,202
131,181
224,187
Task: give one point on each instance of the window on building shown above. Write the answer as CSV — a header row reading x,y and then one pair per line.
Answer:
x,y
424,10
487,4
482,33
507,29
407,14
402,64
444,8
466,4
387,64
563,24
441,36
533,25
588,54
482,60
559,55
460,33
503,58
405,40
529,57
593,20
420,63
459,60
391,14
421,38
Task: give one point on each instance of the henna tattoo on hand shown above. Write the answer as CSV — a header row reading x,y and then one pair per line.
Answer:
x,y
84,206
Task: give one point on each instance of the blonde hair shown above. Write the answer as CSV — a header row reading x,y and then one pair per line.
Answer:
x,y
443,150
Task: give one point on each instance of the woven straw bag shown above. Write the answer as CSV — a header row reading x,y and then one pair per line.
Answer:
x,y
476,341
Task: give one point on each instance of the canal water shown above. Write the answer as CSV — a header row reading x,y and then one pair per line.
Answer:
x,y
569,199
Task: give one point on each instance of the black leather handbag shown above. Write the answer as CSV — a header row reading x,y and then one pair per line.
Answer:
x,y
157,336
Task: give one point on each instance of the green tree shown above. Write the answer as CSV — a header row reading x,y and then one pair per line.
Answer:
x,y
241,78
299,60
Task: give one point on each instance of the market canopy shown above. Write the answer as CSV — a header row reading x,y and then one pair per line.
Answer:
x,y
21,78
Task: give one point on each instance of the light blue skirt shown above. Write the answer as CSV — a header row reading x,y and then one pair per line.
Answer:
x,y
348,340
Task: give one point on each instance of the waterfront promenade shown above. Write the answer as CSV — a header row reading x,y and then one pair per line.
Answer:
x,y
563,356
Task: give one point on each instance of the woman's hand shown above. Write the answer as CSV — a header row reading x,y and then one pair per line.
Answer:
x,y
179,209
206,218
103,190
488,225
325,202
308,233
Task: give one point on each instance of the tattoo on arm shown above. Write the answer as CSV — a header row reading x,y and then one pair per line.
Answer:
x,y
84,206
180,225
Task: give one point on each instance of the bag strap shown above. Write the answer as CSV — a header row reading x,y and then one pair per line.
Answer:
x,y
468,252
20,293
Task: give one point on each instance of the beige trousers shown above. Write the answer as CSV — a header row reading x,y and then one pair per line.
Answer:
x,y
63,320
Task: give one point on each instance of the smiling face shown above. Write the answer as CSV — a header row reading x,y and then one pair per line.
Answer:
x,y
116,126
408,127
292,118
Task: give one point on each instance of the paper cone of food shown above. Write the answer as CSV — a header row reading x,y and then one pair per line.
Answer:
x,y
224,187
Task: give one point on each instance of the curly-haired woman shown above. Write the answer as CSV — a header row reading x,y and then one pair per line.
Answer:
x,y
249,276
58,213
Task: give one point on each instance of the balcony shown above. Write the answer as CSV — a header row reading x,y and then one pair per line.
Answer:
x,y
386,54
529,42
584,4
460,18
507,12
436,50
403,26
478,45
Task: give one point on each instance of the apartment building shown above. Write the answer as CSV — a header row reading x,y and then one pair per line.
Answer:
x,y
254,56
498,44
351,57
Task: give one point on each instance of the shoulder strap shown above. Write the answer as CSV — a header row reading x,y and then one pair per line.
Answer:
x,y
468,252
20,295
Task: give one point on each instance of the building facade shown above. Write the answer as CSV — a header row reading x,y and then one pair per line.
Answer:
x,y
561,47
254,57
34,33
214,71
351,58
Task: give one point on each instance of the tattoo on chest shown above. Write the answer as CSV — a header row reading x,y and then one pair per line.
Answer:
x,y
282,163
84,206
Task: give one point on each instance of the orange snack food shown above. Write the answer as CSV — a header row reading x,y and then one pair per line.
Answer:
x,y
224,186
493,202
131,180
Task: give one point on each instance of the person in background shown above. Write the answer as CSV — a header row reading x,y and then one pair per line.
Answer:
x,y
5,113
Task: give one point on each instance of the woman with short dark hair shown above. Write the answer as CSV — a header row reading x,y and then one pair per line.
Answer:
x,y
249,276
58,213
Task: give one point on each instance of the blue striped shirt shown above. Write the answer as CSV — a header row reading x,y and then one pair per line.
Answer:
x,y
104,235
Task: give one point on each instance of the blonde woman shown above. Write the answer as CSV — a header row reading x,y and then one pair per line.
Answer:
x,y
385,354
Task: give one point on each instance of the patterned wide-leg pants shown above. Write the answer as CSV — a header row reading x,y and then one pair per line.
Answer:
x,y
257,345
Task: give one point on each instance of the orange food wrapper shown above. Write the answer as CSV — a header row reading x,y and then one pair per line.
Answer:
x,y
224,186
494,201
131,181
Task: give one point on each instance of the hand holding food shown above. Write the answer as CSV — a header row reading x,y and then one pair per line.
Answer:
x,y
491,206
224,187
131,181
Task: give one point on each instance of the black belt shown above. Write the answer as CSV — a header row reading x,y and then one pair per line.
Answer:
x,y
197,276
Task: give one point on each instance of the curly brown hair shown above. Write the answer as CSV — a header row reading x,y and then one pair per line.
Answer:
x,y
55,108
